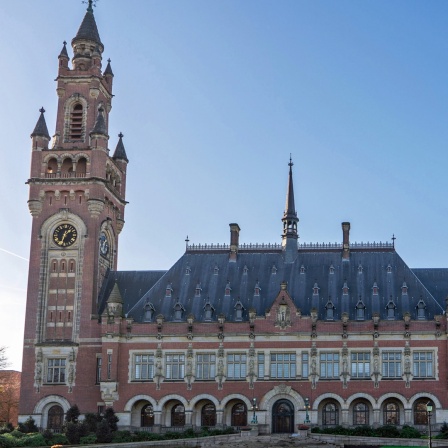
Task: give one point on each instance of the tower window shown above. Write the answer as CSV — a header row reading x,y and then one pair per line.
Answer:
x,y
76,117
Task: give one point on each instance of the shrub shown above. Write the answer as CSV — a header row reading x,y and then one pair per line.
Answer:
x,y
388,431
315,430
88,440
73,414
91,421
17,434
48,435
33,440
363,431
6,428
111,419
409,432
74,432
103,432
6,441
28,426
443,431
59,439
122,437
143,436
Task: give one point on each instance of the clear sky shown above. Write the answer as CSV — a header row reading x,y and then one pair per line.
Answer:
x,y
212,97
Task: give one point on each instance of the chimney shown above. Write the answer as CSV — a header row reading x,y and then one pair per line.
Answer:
x,y
345,240
234,241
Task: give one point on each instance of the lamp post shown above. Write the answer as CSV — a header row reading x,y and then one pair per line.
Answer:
x,y
254,409
307,408
428,417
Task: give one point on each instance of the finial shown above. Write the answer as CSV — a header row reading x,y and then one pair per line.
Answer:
x,y
121,135
290,160
42,110
393,240
108,60
91,3
65,43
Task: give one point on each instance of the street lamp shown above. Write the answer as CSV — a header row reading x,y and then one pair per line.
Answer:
x,y
254,409
307,408
428,417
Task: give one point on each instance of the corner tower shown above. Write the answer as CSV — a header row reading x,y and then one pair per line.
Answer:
x,y
77,201
290,221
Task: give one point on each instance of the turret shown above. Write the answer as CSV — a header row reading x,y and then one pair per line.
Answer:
x,y
63,57
290,220
98,135
40,135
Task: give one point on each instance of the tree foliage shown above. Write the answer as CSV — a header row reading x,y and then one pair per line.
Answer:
x,y
4,362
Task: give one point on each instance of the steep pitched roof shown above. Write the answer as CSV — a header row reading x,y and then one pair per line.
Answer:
x,y
120,152
100,124
88,29
41,129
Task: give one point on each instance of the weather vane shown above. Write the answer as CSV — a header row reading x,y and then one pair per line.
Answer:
x,y
90,3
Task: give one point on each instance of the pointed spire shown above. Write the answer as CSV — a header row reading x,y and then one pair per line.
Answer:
x,y
290,209
63,53
41,129
120,152
100,124
108,70
88,29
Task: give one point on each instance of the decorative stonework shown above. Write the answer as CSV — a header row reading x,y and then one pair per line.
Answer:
x,y
109,392
120,225
95,207
35,207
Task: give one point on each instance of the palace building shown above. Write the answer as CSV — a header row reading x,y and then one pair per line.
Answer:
x,y
275,334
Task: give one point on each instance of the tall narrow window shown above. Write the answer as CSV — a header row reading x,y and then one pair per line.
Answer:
x,y
260,365
76,122
305,365
109,366
99,362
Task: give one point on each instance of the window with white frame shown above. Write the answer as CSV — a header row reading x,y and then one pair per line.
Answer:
x,y
391,364
175,367
305,365
283,365
360,365
329,365
423,364
205,366
261,365
236,366
56,370
143,367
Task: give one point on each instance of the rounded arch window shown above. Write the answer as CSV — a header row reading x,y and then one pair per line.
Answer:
x,y
420,412
55,417
360,414
147,415
330,414
67,167
239,415
52,167
208,415
178,415
81,167
391,413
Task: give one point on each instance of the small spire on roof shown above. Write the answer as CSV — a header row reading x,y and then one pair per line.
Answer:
x,y
120,152
41,129
108,70
88,29
100,124
63,53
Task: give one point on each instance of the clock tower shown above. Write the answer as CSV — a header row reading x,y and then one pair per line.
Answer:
x,y
77,201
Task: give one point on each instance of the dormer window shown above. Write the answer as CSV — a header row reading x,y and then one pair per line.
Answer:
x,y
198,289
404,289
216,270
375,289
360,269
178,311
389,269
148,312
169,290
421,310
274,269
316,289
345,289
239,311
360,310
187,270
257,290
331,269
208,312
245,270
302,269
390,307
227,290
329,310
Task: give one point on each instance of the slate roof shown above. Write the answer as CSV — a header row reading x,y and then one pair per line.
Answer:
x,y
63,53
435,280
41,129
108,70
100,124
88,29
212,272
120,152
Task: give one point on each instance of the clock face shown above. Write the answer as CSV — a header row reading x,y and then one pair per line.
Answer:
x,y
65,235
104,244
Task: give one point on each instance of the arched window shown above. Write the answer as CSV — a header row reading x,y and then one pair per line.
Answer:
x,y
67,167
239,311
149,311
147,416
420,413
208,311
421,310
81,167
330,414
178,415
208,415
390,309
239,415
391,413
76,117
55,417
329,310
360,310
52,168
360,414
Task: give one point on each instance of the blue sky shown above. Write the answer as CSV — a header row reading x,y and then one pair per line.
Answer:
x,y
213,96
